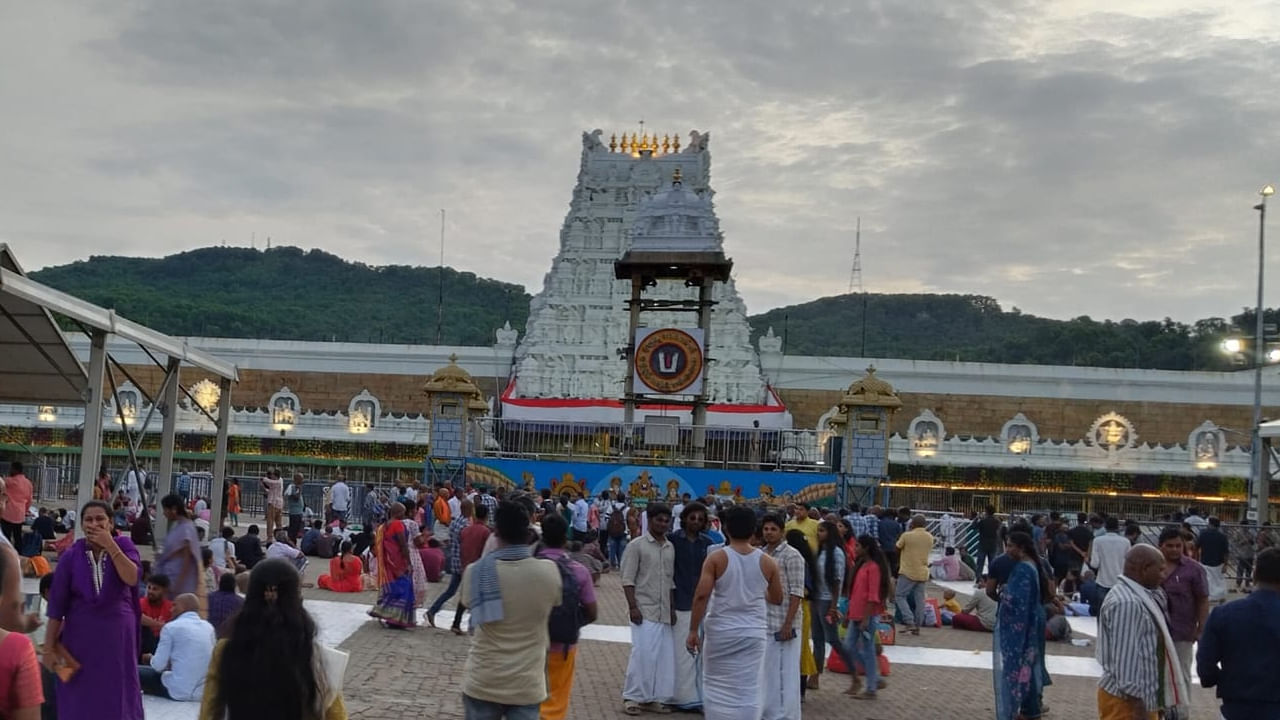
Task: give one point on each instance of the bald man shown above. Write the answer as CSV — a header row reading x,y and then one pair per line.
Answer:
x,y
178,668
1141,675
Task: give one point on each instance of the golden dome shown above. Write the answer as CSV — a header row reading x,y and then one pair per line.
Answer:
x,y
870,391
451,379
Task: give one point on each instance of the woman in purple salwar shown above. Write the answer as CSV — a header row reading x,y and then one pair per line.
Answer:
x,y
95,617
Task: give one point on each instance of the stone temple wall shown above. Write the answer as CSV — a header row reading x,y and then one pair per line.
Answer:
x,y
1055,418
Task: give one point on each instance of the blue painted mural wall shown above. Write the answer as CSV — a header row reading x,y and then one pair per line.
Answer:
x,y
655,482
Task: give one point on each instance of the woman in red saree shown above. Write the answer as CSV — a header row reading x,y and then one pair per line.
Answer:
x,y
344,572
395,606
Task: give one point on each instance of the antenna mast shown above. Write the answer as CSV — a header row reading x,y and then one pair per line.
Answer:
x,y
440,283
855,276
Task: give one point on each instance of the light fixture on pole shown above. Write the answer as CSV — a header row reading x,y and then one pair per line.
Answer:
x,y
1259,492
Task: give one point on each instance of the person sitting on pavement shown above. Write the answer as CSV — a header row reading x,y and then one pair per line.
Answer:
x,y
327,543
282,548
43,525
223,603
432,560
308,543
157,609
978,614
249,548
177,669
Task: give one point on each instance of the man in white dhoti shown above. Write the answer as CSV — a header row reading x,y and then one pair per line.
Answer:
x,y
648,567
781,687
691,544
736,583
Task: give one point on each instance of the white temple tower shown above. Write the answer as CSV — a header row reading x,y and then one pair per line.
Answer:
x,y
569,365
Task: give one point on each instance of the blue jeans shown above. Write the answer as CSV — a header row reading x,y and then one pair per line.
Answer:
x,y
473,709
616,547
830,633
455,579
908,588
149,679
862,646
816,633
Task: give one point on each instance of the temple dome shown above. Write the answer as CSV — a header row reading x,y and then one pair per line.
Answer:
x,y
676,219
451,379
870,390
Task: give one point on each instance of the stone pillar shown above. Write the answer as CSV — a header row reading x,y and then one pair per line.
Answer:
x,y
863,426
453,403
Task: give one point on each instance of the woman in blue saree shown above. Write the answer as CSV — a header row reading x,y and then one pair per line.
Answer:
x,y
1018,657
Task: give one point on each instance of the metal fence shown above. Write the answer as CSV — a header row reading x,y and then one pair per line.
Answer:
x,y
657,443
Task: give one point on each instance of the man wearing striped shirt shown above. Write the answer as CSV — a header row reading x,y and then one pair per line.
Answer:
x,y
1131,642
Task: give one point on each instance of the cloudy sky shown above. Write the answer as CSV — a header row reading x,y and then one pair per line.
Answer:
x,y
1068,157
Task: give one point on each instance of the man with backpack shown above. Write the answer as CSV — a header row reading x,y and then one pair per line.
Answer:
x,y
510,594
615,524
577,608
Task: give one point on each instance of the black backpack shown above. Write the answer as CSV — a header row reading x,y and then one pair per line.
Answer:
x,y
566,619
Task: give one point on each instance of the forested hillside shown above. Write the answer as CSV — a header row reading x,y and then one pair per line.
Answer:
x,y
289,294
976,328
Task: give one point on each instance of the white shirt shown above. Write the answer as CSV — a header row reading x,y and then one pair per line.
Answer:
x,y
340,497
222,549
411,493
201,506
1107,557
676,512
283,550
947,526
455,507
183,655
130,485
581,512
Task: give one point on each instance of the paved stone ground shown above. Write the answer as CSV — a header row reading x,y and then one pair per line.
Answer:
x,y
396,675
402,674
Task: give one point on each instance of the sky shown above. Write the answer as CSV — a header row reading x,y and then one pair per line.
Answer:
x,y
1068,157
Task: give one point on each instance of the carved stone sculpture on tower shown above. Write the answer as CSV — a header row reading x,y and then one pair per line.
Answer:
x,y
576,331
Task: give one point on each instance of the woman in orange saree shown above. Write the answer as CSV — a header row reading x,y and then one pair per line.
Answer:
x,y
344,572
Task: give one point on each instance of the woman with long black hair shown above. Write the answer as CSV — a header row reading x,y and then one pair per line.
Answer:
x,y
872,588
828,588
808,666
1018,657
270,665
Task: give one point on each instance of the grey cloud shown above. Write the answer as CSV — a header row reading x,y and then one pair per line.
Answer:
x,y
1108,173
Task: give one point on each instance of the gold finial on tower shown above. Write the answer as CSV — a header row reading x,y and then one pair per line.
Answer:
x,y
666,144
675,143
613,142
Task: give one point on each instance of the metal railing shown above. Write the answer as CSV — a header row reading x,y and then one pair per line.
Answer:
x,y
652,444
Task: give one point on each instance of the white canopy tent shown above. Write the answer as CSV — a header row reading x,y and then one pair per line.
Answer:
x,y
38,367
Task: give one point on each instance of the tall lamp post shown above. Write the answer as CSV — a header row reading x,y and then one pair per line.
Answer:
x,y
1258,494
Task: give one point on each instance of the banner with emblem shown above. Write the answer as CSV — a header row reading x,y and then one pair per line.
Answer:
x,y
669,361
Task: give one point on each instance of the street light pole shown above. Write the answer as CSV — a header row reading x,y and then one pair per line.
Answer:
x,y
1258,494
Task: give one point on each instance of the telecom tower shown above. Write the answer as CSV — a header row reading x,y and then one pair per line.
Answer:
x,y
855,277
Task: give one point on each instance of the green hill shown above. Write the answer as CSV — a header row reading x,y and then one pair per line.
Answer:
x,y
975,328
289,294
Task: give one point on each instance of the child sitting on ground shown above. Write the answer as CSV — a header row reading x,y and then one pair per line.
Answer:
x,y
950,606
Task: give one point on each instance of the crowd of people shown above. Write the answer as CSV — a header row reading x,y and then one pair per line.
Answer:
x,y
735,611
